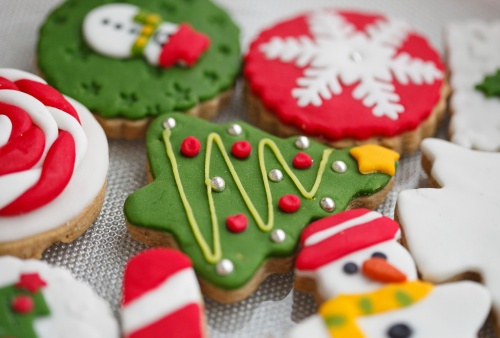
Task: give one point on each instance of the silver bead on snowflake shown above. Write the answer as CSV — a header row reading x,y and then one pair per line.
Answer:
x,y
224,267
169,123
235,129
275,175
278,236
327,204
339,167
302,142
356,56
218,184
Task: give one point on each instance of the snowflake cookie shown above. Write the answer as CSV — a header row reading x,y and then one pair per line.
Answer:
x,y
473,50
130,61
355,251
40,301
346,78
161,297
53,165
453,232
235,199
405,310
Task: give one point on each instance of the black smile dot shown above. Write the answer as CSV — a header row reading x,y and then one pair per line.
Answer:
x,y
105,21
379,254
118,26
399,331
350,268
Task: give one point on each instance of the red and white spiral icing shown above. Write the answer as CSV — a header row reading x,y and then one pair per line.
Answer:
x,y
41,142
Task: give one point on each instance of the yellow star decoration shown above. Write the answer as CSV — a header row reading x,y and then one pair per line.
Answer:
x,y
372,158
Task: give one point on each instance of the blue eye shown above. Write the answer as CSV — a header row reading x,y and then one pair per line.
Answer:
x,y
350,268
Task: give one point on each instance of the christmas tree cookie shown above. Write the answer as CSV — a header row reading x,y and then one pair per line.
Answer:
x,y
346,78
355,251
53,166
453,232
132,61
236,199
406,310
161,297
475,80
39,301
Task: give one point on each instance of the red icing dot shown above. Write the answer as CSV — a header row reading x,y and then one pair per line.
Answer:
x,y
190,147
22,304
302,161
289,203
237,223
241,149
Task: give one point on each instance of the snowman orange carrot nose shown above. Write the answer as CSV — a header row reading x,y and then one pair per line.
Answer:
x,y
380,270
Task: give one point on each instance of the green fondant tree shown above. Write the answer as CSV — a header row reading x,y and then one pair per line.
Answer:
x,y
180,201
490,85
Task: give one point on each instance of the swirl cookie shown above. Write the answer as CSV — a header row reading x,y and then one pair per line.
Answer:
x,y
378,79
130,62
39,301
54,161
235,199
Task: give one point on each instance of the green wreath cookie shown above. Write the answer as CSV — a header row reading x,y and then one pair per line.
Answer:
x,y
236,199
130,62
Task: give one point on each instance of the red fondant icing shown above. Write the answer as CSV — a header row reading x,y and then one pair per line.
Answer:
x,y
382,271
185,46
289,203
31,282
190,147
241,149
345,242
302,161
22,304
273,81
7,84
184,323
237,223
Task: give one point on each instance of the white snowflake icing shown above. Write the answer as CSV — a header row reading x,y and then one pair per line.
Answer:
x,y
338,52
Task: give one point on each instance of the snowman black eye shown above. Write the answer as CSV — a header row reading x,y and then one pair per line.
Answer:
x,y
379,255
399,331
118,26
350,268
105,21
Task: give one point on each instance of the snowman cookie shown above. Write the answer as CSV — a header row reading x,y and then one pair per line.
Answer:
x,y
53,165
408,310
475,80
40,301
130,62
376,77
453,232
355,251
235,199
161,297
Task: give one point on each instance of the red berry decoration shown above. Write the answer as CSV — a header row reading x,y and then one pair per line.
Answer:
x,y
241,149
22,304
289,203
237,223
302,161
190,147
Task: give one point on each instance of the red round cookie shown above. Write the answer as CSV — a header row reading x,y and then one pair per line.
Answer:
x,y
345,75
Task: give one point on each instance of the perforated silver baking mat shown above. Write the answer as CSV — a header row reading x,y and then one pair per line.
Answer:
x,y
99,255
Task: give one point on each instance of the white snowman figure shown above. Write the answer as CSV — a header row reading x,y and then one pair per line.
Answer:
x,y
120,30
405,310
354,251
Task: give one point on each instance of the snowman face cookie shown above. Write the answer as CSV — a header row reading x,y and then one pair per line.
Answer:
x,y
353,252
409,310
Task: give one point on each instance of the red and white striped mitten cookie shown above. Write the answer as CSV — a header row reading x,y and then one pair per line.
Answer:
x,y
161,296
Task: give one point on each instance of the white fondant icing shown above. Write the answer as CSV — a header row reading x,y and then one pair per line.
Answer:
x,y
86,182
14,185
5,130
455,310
473,53
170,296
331,280
329,59
15,75
75,310
161,36
455,229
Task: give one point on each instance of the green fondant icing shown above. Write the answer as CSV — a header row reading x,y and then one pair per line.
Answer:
x,y
14,324
366,305
490,85
105,84
403,298
335,321
159,205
